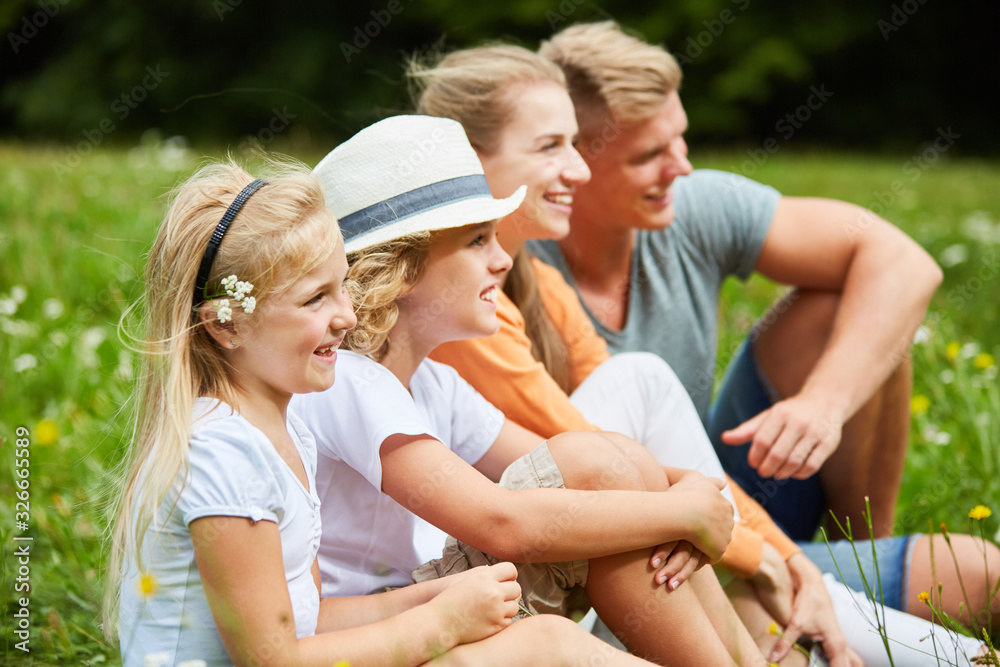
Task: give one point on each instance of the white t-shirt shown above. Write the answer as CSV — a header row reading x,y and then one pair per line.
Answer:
x,y
234,471
369,540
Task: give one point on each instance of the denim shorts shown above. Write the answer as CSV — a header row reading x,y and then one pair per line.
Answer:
x,y
796,505
893,553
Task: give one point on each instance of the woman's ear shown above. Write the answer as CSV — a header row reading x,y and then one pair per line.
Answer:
x,y
225,333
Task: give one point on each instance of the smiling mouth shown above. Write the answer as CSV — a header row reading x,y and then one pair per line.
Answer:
x,y
489,295
661,198
329,349
562,198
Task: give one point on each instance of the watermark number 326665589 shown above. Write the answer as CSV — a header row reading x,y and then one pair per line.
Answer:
x,y
22,541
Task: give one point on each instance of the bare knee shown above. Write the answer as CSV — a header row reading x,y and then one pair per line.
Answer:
x,y
653,476
595,461
556,638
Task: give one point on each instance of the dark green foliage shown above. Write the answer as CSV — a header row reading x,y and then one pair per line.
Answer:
x,y
898,70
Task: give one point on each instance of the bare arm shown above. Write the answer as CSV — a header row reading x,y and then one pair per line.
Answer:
x,y
431,481
257,625
885,281
337,613
513,442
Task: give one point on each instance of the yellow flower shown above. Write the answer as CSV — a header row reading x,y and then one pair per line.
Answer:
x,y
342,663
980,512
919,405
923,596
148,585
46,433
954,347
984,360
772,629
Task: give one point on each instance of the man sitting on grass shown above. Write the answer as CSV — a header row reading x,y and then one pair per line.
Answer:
x,y
814,411
823,382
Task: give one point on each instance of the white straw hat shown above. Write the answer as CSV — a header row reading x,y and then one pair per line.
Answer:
x,y
407,174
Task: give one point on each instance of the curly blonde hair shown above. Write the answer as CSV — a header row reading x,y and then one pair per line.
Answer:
x,y
378,277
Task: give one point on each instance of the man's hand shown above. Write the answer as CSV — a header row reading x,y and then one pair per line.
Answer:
x,y
792,438
813,616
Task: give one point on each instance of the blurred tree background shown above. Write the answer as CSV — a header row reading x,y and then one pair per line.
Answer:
x,y
97,72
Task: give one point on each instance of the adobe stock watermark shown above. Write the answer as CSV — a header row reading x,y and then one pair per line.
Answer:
x,y
696,44
914,168
786,127
958,296
363,35
31,25
121,107
280,121
21,625
901,13
419,153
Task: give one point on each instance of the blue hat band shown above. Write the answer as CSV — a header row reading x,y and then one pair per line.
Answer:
x,y
414,202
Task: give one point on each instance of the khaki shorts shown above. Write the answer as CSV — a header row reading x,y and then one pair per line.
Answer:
x,y
546,588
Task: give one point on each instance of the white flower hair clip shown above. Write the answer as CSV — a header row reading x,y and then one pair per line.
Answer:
x,y
239,291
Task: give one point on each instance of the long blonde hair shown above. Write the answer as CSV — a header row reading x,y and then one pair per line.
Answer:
x,y
282,232
473,86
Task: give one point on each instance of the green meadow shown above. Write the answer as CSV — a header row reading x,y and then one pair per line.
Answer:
x,y
73,234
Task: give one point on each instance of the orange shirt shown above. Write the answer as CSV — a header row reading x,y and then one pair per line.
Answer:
x,y
502,368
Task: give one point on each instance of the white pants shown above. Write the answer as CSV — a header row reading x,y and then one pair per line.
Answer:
x,y
637,394
912,640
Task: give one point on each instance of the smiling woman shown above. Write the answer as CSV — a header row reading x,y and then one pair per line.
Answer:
x,y
536,147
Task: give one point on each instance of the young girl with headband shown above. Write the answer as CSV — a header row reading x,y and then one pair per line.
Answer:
x,y
214,546
549,370
404,437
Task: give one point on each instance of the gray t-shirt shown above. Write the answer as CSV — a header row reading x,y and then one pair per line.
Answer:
x,y
718,230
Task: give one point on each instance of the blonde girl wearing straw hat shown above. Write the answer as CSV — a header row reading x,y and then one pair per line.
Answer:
x,y
408,440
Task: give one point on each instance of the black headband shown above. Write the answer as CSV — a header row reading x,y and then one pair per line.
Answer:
x,y
201,284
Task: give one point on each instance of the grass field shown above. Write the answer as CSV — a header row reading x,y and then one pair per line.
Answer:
x,y
73,239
